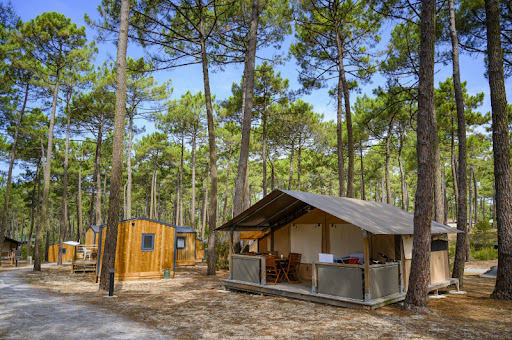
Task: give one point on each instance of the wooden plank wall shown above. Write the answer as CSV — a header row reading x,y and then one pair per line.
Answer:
x,y
186,257
53,253
89,237
199,250
134,264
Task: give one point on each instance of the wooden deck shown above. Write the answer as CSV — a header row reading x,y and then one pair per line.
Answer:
x,y
84,266
302,291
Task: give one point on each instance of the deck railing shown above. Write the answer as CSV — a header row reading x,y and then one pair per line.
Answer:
x,y
348,280
79,255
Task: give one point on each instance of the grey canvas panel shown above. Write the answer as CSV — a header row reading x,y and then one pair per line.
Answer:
x,y
245,269
375,217
383,281
340,281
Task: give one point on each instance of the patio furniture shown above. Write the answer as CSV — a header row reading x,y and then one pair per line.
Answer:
x,y
274,274
87,252
291,272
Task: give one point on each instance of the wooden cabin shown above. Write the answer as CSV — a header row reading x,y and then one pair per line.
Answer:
x,y
200,255
185,246
145,248
354,253
8,245
67,253
92,234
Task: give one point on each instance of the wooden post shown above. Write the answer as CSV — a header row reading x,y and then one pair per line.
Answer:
x,y
272,240
314,280
401,266
367,292
263,270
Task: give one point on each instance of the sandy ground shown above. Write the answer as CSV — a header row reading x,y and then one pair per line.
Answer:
x,y
193,306
30,313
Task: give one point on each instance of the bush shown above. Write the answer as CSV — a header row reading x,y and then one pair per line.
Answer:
x,y
222,249
484,254
483,235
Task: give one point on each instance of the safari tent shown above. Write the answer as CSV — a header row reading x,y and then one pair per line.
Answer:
x,y
67,252
354,253
185,246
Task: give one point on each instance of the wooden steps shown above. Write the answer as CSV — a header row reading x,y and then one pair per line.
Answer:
x,y
84,267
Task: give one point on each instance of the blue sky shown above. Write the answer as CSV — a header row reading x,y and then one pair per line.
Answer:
x,y
190,78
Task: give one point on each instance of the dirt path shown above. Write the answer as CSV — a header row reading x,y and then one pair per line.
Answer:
x,y
30,313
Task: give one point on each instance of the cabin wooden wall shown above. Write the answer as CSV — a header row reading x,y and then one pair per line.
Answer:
x,y
53,253
199,250
134,264
89,237
186,257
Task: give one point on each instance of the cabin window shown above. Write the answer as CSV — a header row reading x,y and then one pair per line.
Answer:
x,y
63,251
148,242
180,243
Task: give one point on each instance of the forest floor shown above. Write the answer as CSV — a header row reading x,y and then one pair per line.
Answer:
x,y
193,306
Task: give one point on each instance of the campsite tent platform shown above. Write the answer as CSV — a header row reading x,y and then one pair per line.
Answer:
x,y
304,291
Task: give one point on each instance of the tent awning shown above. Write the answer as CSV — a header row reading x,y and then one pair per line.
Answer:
x,y
282,206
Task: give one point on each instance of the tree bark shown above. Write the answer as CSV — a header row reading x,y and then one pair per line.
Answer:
x,y
212,218
363,192
417,293
475,201
388,157
64,206
79,206
402,173
225,208
109,251
95,191
290,179
470,214
46,179
501,150
438,190
3,221
193,203
35,206
264,153
128,210
250,59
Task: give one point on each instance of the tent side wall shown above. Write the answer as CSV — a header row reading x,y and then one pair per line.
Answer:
x,y
67,255
187,255
134,263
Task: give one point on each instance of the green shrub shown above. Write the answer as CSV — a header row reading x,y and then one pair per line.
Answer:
x,y
484,254
222,249
483,235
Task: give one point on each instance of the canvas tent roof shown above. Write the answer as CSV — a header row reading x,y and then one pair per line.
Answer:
x,y
282,206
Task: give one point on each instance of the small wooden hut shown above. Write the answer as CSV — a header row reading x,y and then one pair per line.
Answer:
x,y
9,244
67,253
185,246
92,234
145,248
200,250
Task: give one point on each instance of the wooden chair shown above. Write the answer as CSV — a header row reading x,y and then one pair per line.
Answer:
x,y
291,272
274,273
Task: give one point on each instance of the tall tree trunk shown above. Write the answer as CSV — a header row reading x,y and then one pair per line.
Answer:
x,y
438,190
128,210
180,188
339,129
225,208
248,88
299,151
453,161
291,166
475,201
501,150
46,179
417,293
64,206
193,203
264,152
348,116
470,214
35,206
213,151
363,193
273,176
403,185
109,250
388,157
79,205
96,191
205,205
3,221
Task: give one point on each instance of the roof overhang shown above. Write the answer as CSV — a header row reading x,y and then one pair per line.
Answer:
x,y
281,207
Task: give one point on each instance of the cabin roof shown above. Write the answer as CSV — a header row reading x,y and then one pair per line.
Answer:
x,y
8,239
185,230
281,207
